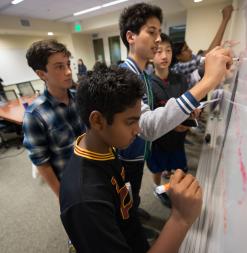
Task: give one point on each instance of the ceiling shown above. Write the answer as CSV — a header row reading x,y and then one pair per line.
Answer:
x,y
62,10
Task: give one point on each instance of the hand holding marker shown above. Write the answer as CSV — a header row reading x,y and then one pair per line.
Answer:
x,y
234,59
162,188
162,192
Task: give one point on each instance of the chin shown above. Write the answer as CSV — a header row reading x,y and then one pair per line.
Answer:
x,y
68,83
124,146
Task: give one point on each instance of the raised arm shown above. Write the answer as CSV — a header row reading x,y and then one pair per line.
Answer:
x,y
158,122
226,15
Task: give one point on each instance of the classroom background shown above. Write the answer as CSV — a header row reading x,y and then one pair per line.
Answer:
x,y
29,216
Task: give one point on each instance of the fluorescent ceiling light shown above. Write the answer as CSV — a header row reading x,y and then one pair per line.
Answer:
x,y
98,7
197,1
113,3
50,33
87,10
16,1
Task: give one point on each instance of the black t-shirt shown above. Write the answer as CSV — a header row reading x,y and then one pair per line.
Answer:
x,y
96,206
174,86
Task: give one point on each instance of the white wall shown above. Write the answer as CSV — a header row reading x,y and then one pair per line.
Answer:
x,y
202,24
79,45
105,33
12,25
238,28
174,20
13,64
84,49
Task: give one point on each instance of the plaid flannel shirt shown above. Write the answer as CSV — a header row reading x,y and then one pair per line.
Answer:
x,y
189,69
50,129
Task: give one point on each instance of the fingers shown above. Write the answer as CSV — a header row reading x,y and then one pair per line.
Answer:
x,y
181,128
199,193
196,113
177,177
230,43
222,50
185,182
195,186
224,55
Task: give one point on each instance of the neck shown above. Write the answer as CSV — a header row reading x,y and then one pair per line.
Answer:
x,y
94,143
140,62
162,73
60,94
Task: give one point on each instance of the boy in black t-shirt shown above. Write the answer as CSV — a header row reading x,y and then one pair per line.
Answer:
x,y
96,204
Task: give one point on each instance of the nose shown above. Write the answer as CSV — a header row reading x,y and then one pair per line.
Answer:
x,y
164,55
158,39
68,71
136,130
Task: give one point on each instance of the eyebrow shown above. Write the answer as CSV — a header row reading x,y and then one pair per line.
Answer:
x,y
59,63
153,27
133,118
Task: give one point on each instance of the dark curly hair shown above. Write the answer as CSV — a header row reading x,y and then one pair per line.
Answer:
x,y
135,16
109,90
176,50
39,52
177,47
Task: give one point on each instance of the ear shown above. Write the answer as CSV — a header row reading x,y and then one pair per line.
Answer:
x,y
97,120
130,36
41,74
178,57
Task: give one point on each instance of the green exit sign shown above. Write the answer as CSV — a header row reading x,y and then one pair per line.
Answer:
x,y
77,27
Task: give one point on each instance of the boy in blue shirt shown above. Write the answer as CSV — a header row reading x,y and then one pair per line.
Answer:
x,y
140,28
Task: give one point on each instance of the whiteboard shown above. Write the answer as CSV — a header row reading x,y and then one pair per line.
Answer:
x,y
14,67
222,170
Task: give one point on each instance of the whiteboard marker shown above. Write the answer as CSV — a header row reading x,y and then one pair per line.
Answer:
x,y
162,188
234,59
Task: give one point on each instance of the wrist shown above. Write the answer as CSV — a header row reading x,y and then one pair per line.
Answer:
x,y
179,221
208,82
200,90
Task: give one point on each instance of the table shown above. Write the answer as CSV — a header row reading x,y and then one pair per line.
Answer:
x,y
13,111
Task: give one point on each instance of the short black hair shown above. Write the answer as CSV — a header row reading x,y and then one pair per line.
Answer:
x,y
135,16
109,90
165,38
177,47
39,52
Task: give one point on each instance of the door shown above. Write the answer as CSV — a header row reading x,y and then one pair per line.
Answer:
x,y
98,47
114,47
